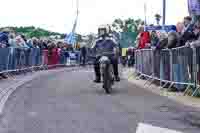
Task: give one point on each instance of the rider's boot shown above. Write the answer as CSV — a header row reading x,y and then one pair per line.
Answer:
x,y
97,80
117,78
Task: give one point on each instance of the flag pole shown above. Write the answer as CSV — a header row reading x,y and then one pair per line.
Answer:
x,y
145,13
164,11
76,19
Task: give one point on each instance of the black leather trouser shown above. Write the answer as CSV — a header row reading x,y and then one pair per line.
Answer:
x,y
114,62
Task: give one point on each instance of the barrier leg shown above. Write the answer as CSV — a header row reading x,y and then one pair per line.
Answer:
x,y
150,83
148,80
163,86
140,75
197,89
185,92
170,86
10,75
134,74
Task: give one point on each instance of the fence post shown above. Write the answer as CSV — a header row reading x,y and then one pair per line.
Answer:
x,y
153,63
142,62
136,60
8,59
194,67
171,65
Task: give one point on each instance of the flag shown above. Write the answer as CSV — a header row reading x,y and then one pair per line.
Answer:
x,y
194,7
70,38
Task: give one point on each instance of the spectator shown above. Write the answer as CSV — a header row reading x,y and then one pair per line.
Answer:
x,y
24,42
187,25
44,44
53,54
59,44
144,39
179,27
83,55
196,32
40,42
24,38
20,42
163,40
12,41
30,43
187,33
140,30
154,39
4,39
173,40
35,43
130,56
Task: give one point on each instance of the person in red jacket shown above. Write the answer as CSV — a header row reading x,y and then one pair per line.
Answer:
x,y
144,39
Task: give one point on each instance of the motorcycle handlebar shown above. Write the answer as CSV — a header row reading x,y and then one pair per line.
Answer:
x,y
103,54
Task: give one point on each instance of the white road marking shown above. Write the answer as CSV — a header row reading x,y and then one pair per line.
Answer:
x,y
32,114
146,128
86,71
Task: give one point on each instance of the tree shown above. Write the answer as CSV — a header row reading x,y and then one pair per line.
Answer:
x,y
118,24
127,25
158,18
79,38
31,31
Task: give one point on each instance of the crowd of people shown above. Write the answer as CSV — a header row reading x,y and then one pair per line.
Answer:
x,y
12,40
180,35
18,52
179,65
185,33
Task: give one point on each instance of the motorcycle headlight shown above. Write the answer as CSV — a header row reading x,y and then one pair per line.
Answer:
x,y
104,59
103,65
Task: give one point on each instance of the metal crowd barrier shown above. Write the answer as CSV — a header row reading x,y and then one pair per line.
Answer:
x,y
178,67
22,60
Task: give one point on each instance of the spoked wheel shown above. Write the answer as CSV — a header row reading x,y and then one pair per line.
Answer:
x,y
108,79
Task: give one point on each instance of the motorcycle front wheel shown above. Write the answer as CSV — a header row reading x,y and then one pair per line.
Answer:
x,y
107,79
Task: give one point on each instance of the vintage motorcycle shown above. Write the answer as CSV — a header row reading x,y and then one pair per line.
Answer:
x,y
107,73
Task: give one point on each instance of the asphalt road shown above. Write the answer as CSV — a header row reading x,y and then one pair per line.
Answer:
x,y
69,102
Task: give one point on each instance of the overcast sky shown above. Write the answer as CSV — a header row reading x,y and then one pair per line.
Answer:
x,y
58,15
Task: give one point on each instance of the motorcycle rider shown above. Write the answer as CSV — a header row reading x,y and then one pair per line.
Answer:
x,y
105,43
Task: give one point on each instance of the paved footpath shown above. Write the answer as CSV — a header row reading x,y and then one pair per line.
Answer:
x,y
68,102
